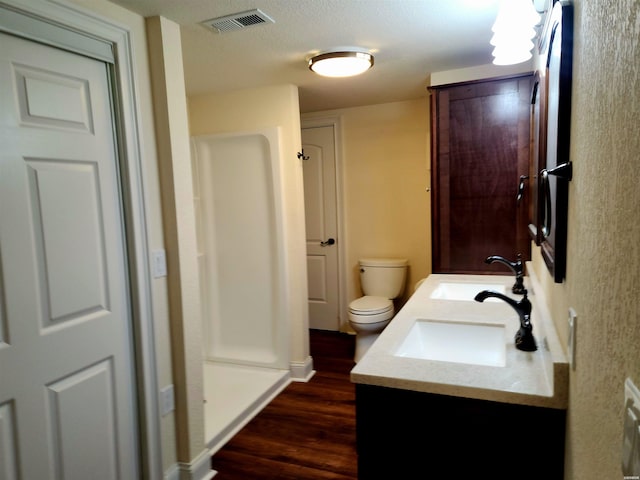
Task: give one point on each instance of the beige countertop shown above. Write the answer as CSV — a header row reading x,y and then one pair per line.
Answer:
x,y
537,378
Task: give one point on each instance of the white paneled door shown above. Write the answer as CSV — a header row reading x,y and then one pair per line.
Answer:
x,y
67,387
319,171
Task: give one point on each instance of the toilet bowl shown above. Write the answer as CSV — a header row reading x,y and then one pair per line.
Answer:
x,y
368,316
381,281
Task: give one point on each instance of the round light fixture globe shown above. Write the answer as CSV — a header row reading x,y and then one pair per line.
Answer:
x,y
343,63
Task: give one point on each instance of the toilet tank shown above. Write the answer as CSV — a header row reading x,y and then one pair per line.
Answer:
x,y
383,277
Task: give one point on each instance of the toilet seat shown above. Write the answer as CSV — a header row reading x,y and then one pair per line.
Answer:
x,y
369,309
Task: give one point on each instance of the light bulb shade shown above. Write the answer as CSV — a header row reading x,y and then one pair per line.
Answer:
x,y
510,56
513,31
515,14
341,64
505,37
521,44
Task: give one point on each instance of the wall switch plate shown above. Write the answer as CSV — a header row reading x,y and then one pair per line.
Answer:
x,y
167,400
631,431
159,264
571,342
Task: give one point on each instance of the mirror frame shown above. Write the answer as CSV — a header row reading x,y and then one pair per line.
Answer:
x,y
554,169
538,151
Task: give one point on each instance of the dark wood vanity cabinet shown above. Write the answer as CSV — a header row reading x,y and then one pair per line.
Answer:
x,y
480,150
402,434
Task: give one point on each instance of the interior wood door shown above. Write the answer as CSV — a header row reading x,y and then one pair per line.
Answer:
x,y
67,389
480,150
319,171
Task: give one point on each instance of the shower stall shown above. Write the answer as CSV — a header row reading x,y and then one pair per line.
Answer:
x,y
242,260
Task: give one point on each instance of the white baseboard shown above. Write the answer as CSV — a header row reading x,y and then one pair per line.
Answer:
x,y
198,469
302,371
172,473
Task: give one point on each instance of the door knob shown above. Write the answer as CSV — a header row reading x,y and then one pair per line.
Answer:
x,y
330,241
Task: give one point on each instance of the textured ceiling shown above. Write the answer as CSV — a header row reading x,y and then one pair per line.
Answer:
x,y
409,39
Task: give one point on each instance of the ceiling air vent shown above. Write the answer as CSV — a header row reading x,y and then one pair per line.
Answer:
x,y
238,21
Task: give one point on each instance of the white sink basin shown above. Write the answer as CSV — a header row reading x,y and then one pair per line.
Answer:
x,y
464,291
452,341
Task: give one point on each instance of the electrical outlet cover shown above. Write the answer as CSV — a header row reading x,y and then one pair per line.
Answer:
x,y
167,400
159,264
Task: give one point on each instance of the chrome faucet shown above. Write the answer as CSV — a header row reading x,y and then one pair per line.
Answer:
x,y
516,267
524,338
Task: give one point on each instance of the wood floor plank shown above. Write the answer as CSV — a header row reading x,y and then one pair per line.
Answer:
x,y
307,432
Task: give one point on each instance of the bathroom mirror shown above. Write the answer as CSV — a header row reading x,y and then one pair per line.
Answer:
x,y
554,167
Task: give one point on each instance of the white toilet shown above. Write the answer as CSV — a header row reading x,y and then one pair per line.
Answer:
x,y
381,280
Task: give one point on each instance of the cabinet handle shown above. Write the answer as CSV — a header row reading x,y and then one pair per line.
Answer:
x,y
564,171
545,191
521,188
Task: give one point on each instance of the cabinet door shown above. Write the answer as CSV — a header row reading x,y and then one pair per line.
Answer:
x,y
480,151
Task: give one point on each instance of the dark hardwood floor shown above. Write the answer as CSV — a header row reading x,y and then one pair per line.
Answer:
x,y
308,432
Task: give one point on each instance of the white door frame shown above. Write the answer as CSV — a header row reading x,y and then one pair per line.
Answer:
x,y
309,121
63,23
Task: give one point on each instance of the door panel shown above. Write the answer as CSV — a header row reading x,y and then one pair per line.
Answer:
x,y
67,402
66,399
321,225
48,98
8,443
68,227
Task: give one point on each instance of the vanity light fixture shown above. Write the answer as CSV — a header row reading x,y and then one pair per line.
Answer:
x,y
512,54
341,63
513,31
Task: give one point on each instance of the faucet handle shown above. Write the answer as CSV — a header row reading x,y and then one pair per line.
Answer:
x,y
518,287
518,265
524,306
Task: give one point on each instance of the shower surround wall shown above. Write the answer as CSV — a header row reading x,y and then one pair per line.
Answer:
x,y
242,249
250,201
238,200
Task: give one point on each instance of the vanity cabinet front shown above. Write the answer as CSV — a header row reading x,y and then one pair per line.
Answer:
x,y
403,434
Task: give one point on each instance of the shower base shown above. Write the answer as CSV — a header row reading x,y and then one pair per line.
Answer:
x,y
233,395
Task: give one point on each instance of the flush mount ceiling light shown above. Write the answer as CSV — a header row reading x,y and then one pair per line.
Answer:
x,y
341,63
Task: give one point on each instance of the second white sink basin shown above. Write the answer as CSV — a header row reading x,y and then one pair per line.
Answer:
x,y
464,291
452,341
